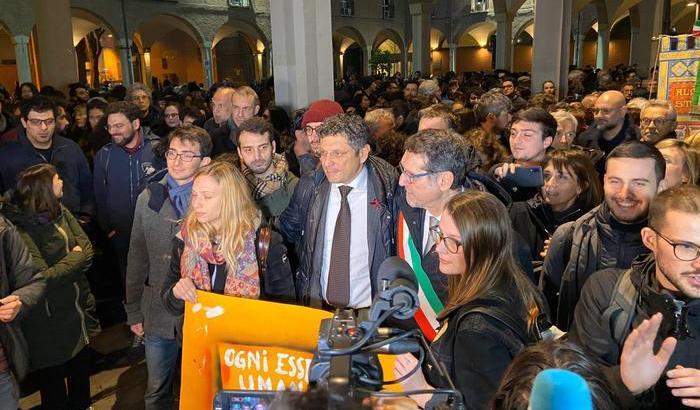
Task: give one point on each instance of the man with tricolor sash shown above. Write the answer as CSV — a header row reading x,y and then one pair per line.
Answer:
x,y
433,169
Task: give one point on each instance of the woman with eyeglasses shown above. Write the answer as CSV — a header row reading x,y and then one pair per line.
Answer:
x,y
217,248
492,306
59,330
172,118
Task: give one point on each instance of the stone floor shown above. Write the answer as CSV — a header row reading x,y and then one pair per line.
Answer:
x,y
119,378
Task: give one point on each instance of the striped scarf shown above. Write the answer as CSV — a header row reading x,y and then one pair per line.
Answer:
x,y
259,187
430,303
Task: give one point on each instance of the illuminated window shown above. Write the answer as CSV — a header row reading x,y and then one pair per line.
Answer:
x,y
479,6
239,3
387,9
347,7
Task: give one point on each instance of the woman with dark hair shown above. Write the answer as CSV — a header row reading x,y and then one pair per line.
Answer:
x,y
26,91
492,306
515,388
279,119
59,332
571,188
79,129
172,118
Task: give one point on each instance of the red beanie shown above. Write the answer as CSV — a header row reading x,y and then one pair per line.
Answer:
x,y
320,110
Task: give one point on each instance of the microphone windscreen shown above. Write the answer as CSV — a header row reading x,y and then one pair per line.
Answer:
x,y
393,268
558,389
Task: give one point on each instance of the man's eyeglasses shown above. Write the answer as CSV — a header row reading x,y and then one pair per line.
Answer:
x,y
658,122
37,123
684,251
308,130
411,178
173,115
185,156
452,245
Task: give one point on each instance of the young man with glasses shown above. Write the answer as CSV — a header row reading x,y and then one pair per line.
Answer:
x,y
38,142
667,282
157,217
657,121
123,168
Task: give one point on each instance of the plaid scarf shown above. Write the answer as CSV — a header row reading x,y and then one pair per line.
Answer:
x,y
244,282
259,187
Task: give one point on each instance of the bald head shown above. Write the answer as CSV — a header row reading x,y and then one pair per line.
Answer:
x,y
221,104
610,111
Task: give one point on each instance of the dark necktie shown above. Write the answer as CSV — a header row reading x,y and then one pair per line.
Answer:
x,y
338,289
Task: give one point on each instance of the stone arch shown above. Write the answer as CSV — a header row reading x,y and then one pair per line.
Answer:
x,y
480,32
350,52
526,25
84,21
169,47
388,34
240,52
384,39
352,33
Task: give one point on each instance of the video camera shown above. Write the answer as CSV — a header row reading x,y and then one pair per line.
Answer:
x,y
346,361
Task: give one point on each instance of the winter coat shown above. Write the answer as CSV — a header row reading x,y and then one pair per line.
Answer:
x,y
595,335
67,157
18,276
577,249
59,329
155,225
302,223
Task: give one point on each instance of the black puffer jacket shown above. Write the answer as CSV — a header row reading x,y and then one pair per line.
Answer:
x,y
594,335
17,277
299,224
535,221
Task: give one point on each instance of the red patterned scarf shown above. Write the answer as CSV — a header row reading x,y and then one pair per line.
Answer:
x,y
244,282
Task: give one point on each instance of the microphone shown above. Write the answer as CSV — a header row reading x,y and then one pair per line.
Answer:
x,y
399,347
559,389
398,287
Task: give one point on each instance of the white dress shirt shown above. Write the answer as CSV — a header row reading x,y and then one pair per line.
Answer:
x,y
360,283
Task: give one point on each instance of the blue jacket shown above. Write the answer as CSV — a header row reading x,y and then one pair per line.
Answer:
x,y
67,157
119,179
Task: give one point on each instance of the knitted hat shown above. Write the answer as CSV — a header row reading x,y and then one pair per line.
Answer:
x,y
320,110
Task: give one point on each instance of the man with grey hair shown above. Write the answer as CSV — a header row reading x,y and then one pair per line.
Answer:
x,y
493,114
430,88
339,213
657,121
218,125
140,95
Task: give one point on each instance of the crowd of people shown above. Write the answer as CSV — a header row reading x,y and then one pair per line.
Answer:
x,y
516,209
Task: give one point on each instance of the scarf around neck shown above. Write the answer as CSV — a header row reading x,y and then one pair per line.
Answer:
x,y
244,282
260,187
179,195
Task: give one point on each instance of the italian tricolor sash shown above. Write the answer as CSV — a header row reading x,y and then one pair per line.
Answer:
x,y
430,303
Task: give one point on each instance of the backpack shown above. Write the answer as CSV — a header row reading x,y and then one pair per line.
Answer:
x,y
619,314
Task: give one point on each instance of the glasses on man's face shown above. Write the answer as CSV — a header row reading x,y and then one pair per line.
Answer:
x,y
684,251
451,244
309,130
172,116
411,178
34,122
185,156
658,122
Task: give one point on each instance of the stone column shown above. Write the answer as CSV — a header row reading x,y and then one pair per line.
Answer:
x,y
504,41
368,53
579,40
24,70
551,43
302,51
453,57
58,63
206,64
634,44
603,45
420,23
125,61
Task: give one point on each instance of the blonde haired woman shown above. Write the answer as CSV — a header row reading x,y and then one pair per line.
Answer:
x,y
492,306
216,248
